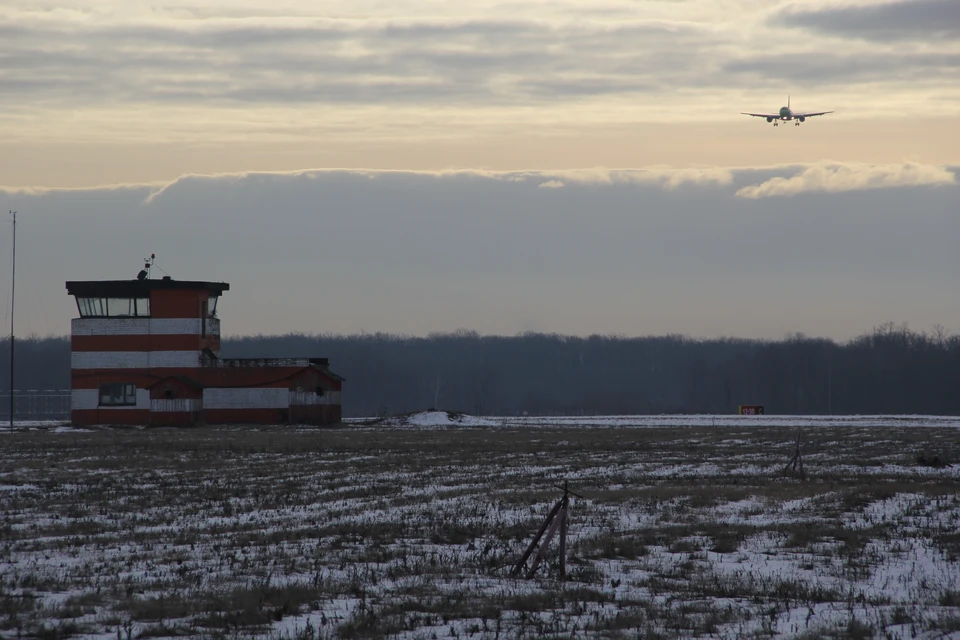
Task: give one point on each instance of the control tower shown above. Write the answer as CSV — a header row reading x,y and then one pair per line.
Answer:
x,y
147,352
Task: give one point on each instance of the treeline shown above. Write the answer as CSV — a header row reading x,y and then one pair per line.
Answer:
x,y
890,370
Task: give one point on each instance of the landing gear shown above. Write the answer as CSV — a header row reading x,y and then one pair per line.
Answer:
x,y
797,123
776,124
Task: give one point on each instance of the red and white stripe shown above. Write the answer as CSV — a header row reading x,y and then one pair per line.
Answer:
x,y
134,351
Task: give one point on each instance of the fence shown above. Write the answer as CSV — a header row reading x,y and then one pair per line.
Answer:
x,y
36,404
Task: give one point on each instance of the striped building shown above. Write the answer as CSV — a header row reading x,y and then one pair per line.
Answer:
x,y
147,352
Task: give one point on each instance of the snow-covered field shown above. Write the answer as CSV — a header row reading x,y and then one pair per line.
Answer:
x,y
449,419
408,528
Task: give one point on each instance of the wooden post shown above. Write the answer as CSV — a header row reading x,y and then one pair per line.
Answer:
x,y
546,542
533,543
797,459
563,538
555,520
800,457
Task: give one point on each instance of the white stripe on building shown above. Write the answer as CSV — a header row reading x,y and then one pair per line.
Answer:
x,y
143,326
246,398
300,398
175,405
134,359
81,399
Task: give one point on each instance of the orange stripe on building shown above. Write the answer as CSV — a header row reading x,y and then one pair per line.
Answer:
x,y
177,304
144,343
110,417
221,377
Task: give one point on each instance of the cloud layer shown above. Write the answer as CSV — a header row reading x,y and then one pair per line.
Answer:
x,y
835,248
836,178
826,176
831,177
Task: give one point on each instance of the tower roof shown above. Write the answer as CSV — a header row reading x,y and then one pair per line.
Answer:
x,y
139,288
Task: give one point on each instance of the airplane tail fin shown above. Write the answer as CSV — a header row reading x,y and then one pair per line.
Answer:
x,y
788,102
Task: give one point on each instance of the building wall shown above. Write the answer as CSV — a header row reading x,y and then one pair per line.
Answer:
x,y
246,398
180,412
309,407
272,405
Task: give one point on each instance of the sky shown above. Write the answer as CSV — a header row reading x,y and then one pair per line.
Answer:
x,y
561,166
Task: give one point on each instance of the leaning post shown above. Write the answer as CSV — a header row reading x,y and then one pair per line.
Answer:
x,y
556,521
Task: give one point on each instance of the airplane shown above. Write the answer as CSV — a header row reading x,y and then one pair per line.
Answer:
x,y
786,114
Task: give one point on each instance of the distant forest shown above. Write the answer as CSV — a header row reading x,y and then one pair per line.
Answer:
x,y
890,370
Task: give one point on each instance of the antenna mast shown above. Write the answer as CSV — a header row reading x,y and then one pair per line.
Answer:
x,y
13,298
147,263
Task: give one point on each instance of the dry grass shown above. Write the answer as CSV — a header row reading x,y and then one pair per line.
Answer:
x,y
360,533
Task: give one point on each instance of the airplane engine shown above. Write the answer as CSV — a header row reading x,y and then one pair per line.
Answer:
x,y
769,119
801,118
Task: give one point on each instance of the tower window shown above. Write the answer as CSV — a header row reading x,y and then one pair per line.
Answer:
x,y
118,394
114,307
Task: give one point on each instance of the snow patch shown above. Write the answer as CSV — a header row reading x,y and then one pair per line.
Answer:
x,y
439,419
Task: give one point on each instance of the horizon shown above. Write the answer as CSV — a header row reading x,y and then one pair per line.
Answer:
x,y
463,332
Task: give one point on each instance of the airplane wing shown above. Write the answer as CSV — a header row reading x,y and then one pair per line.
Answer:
x,y
761,115
808,115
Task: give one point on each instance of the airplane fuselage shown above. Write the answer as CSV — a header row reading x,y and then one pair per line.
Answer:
x,y
785,115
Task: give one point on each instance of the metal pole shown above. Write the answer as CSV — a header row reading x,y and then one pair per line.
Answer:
x,y
13,298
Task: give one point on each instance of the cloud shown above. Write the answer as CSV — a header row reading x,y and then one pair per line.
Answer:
x,y
136,63
907,19
711,175
836,178
664,177
330,60
667,178
816,69
35,191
